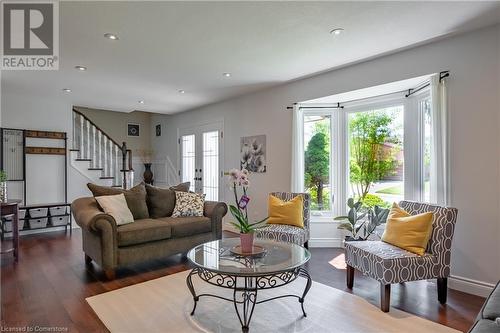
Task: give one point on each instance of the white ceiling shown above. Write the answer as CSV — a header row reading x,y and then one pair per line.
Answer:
x,y
168,46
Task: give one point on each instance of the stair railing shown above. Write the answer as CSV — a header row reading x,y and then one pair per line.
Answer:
x,y
105,154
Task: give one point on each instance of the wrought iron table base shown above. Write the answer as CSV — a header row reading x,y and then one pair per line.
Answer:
x,y
245,292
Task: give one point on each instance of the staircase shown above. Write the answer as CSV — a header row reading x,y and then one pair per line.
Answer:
x,y
98,157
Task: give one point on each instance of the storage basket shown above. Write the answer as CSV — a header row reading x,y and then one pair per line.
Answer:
x,y
59,220
38,212
7,224
38,222
59,210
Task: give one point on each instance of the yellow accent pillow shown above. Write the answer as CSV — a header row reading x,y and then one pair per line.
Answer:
x,y
409,232
286,212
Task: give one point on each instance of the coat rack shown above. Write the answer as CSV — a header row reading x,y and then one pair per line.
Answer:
x,y
13,152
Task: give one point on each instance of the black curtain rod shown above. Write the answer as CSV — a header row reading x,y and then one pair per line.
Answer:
x,y
317,107
442,75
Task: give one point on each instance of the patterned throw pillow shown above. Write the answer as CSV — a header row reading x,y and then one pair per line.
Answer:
x,y
188,204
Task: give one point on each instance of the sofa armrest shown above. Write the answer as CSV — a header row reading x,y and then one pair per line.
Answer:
x,y
88,216
215,211
99,232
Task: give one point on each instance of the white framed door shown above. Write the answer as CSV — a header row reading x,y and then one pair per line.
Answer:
x,y
201,160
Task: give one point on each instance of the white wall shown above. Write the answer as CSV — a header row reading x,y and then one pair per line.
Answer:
x,y
23,110
474,89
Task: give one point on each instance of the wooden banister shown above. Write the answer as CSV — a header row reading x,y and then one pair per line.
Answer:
x,y
97,127
126,167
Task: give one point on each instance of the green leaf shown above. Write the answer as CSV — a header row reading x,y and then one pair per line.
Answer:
x,y
341,218
350,202
258,222
345,226
237,226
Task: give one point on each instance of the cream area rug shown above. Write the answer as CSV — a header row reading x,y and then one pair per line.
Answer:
x,y
164,305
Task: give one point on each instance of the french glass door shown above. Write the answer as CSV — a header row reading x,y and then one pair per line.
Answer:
x,y
201,159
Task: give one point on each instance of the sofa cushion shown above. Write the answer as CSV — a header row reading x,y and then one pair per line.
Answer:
x,y
143,231
187,226
491,309
182,187
390,264
136,198
283,233
161,201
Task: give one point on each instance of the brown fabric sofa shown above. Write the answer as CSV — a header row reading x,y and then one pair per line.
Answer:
x,y
113,246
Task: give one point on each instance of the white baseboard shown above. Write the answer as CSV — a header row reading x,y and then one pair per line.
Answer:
x,y
470,286
325,242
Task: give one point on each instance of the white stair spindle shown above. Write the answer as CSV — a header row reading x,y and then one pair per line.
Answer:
x,y
98,150
80,141
104,159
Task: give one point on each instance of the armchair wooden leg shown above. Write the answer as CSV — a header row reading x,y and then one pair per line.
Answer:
x,y
350,276
110,273
306,245
88,260
385,297
442,288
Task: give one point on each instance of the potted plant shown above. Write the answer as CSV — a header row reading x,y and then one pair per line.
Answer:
x,y
147,159
361,221
3,186
239,179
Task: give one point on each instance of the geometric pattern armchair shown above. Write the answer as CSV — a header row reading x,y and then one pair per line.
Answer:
x,y
288,233
389,264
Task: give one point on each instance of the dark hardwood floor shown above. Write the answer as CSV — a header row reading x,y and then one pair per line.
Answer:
x,y
49,286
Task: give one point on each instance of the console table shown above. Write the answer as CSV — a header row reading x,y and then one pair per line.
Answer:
x,y
11,207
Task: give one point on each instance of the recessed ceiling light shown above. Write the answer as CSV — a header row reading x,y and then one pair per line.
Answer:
x,y
67,90
111,36
182,91
226,74
141,102
337,31
81,68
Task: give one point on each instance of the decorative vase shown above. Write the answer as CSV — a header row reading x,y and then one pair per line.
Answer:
x,y
246,242
148,174
3,192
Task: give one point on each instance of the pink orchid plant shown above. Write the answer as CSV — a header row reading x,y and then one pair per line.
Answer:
x,y
240,179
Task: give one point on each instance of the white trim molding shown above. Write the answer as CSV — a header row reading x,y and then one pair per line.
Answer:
x,y
470,286
325,242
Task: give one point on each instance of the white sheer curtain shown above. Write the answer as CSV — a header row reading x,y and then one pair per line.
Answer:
x,y
297,180
439,173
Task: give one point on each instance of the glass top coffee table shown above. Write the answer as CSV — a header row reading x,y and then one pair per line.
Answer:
x,y
279,264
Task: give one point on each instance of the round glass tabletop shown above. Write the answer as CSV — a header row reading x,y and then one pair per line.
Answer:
x,y
216,256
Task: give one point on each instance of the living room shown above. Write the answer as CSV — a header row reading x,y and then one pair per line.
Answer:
x,y
138,152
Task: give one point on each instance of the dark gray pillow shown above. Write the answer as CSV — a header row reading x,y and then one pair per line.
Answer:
x,y
135,197
182,187
161,201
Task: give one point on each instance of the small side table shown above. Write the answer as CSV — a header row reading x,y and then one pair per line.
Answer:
x,y
11,207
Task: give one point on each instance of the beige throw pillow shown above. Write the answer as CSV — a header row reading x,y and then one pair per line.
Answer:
x,y
116,206
188,204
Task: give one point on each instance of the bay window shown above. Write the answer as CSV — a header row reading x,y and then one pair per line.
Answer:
x,y
376,150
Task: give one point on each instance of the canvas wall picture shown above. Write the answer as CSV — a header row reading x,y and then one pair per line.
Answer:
x,y
253,153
